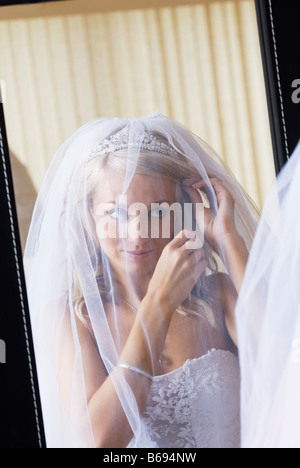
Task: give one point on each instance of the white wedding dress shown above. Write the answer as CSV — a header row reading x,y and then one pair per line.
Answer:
x,y
197,405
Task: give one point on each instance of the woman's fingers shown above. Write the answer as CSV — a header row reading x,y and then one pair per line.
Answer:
x,y
198,264
197,256
203,184
199,268
214,191
193,194
183,236
193,185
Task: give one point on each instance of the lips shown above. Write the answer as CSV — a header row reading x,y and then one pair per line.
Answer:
x,y
137,254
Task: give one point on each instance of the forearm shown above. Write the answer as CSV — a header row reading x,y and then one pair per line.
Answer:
x,y
235,256
148,334
142,350
109,417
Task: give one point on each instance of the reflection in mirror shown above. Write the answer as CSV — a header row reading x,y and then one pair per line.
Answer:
x,y
200,65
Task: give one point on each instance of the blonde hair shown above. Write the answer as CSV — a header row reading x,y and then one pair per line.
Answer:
x,y
148,163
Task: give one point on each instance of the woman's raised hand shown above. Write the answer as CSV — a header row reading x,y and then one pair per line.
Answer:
x,y
218,220
219,225
177,271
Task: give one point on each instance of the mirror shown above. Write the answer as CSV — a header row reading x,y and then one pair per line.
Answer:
x,y
66,62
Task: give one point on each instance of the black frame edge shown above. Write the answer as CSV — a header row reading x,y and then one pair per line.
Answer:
x,y
272,82
21,424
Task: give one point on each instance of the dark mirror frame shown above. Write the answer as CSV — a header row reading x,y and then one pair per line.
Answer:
x,y
21,424
20,413
278,25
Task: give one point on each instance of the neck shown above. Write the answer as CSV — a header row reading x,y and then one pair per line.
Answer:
x,y
131,289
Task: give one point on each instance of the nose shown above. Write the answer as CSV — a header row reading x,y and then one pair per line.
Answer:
x,y
138,231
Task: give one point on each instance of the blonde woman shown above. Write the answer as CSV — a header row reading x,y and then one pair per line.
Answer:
x,y
136,256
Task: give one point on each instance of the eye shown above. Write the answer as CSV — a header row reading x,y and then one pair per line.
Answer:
x,y
119,214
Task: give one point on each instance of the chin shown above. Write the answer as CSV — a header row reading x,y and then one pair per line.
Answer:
x,y
142,267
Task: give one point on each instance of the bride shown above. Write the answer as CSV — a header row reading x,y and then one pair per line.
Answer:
x,y
134,262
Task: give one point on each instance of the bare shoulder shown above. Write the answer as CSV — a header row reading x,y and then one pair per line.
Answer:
x,y
80,328
221,286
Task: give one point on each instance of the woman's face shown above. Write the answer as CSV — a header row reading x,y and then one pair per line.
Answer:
x,y
132,230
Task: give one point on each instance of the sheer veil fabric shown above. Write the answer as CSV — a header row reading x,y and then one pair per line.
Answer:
x,y
268,320
94,247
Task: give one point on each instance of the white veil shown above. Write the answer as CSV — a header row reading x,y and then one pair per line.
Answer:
x,y
71,279
268,319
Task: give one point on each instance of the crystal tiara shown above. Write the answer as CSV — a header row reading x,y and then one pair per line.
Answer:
x,y
120,141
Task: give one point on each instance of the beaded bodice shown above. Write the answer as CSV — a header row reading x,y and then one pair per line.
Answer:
x,y
196,405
